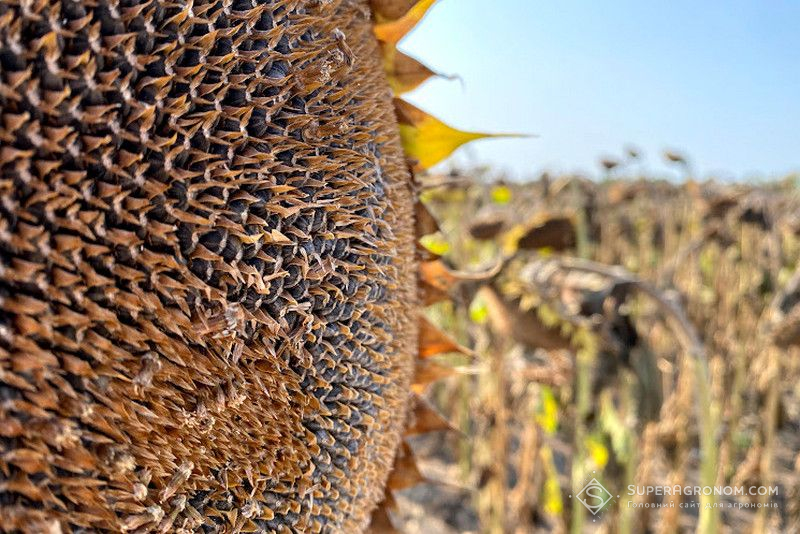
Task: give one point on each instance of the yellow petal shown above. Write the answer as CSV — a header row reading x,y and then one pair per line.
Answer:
x,y
427,140
551,491
547,415
393,31
436,244
479,310
501,194
597,451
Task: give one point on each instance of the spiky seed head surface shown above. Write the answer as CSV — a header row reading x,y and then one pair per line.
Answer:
x,y
207,288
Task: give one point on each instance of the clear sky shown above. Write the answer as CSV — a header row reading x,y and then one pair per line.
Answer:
x,y
717,80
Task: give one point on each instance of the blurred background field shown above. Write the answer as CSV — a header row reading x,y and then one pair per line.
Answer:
x,y
633,330
632,319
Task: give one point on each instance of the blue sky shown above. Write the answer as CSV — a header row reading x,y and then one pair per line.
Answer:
x,y
717,80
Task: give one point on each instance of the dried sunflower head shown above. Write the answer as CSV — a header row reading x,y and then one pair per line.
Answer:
x,y
207,282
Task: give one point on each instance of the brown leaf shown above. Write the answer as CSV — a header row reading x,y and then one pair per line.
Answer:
x,y
436,279
386,10
403,72
405,472
427,372
433,341
718,207
425,418
426,223
674,157
558,233
508,321
787,332
381,522
609,164
429,294
487,227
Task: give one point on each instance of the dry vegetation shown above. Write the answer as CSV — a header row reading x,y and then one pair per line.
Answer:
x,y
208,301
638,330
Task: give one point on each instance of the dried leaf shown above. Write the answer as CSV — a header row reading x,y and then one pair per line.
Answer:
x,y
675,157
718,207
436,279
609,164
381,522
430,294
786,332
433,341
387,10
487,227
557,233
428,372
508,321
437,274
405,472
425,418
426,223
403,72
